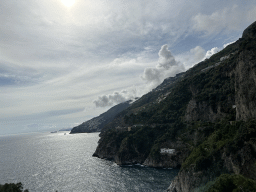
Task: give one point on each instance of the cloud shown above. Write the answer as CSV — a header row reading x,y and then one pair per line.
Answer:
x,y
62,112
167,66
192,57
166,60
34,125
211,52
227,20
14,75
227,44
152,74
115,98
47,114
198,53
215,50
7,79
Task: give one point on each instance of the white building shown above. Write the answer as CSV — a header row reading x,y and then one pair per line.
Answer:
x,y
168,151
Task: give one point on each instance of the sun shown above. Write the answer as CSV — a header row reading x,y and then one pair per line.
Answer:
x,y
68,3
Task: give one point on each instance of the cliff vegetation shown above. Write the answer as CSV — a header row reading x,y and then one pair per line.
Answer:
x,y
12,187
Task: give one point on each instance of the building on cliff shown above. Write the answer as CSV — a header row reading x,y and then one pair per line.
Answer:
x,y
167,151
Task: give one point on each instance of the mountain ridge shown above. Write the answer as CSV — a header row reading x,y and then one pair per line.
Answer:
x,y
97,123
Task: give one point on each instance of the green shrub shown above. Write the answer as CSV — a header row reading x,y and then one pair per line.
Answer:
x,y
12,187
232,183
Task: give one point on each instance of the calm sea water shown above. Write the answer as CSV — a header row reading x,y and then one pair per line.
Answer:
x,y
54,161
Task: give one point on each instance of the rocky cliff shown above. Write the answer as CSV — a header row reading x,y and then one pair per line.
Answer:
x,y
238,155
246,76
205,116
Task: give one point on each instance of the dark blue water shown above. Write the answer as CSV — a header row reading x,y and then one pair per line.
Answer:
x,y
54,161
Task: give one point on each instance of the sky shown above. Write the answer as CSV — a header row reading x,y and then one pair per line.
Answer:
x,y
63,62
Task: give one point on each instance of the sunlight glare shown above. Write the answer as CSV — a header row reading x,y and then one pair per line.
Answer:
x,y
68,3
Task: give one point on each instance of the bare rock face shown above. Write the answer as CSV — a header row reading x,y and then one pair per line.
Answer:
x,y
246,86
173,160
201,111
246,76
243,161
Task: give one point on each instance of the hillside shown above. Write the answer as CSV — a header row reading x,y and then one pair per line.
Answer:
x,y
205,117
143,104
97,123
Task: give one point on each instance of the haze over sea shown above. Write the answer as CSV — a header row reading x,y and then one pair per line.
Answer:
x,y
64,162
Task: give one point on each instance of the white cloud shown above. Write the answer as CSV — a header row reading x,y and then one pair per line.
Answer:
x,y
198,53
227,44
167,66
192,57
152,75
166,60
115,98
211,52
215,50
227,19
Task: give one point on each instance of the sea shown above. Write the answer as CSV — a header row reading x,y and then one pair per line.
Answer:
x,y
63,162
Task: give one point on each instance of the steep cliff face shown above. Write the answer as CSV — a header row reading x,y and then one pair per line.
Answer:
x,y
213,90
202,111
128,147
246,76
173,160
110,145
237,156
205,115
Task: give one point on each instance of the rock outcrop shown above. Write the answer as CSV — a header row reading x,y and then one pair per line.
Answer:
x,y
202,111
